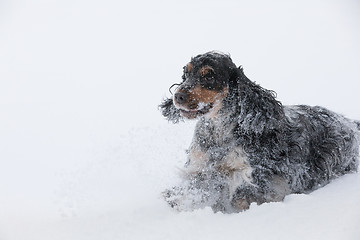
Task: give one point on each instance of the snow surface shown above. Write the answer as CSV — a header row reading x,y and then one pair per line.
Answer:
x,y
84,152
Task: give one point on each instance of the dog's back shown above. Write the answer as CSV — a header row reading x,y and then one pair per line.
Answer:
x,y
323,144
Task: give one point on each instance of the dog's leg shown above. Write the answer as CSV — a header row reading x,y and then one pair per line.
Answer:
x,y
278,189
275,191
196,192
243,197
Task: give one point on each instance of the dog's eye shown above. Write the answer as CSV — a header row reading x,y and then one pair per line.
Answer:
x,y
208,81
208,78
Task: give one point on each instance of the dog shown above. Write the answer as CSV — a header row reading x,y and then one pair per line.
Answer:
x,y
248,147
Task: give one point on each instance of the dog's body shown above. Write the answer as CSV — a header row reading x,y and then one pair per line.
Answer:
x,y
247,147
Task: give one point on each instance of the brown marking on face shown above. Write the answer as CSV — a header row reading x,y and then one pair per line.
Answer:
x,y
205,70
189,67
199,94
212,100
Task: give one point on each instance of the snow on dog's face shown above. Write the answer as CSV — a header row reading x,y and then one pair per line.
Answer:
x,y
205,85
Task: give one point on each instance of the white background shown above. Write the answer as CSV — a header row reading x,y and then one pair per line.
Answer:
x,y
84,152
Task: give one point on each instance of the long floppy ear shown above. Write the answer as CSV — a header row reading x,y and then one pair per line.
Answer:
x,y
258,110
169,111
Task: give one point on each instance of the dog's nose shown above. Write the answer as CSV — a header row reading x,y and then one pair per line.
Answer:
x,y
181,97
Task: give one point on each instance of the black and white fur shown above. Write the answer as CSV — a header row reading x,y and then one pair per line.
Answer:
x,y
254,149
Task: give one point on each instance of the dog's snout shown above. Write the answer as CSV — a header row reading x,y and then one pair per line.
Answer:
x,y
181,97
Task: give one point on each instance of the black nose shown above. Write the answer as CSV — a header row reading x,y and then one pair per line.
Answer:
x,y
181,97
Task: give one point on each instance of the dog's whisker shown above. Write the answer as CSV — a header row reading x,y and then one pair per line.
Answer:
x,y
175,84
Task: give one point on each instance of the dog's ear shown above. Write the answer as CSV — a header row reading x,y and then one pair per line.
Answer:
x,y
258,110
235,77
169,111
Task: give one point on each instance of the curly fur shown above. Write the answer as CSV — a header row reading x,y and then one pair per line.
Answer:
x,y
169,111
254,149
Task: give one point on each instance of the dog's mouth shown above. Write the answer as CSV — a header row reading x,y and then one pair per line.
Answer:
x,y
191,114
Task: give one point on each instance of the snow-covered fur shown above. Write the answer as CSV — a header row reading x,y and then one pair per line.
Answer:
x,y
247,146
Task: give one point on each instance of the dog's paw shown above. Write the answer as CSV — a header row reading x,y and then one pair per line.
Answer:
x,y
240,205
173,197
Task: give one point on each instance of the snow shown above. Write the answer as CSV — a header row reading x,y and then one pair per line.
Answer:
x,y
84,152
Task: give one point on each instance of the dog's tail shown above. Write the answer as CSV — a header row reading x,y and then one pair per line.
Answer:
x,y
358,124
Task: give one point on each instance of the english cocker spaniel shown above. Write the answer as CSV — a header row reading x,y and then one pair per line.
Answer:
x,y
248,147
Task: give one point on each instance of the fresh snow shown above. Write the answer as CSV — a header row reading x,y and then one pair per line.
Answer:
x,y
84,151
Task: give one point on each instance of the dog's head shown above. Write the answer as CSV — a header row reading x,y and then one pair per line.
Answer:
x,y
206,81
212,85
205,85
